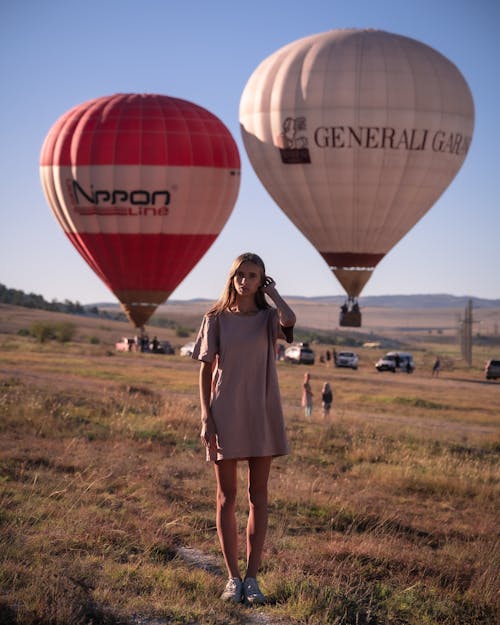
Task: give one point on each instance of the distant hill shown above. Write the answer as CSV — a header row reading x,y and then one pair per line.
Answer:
x,y
404,302
439,300
394,317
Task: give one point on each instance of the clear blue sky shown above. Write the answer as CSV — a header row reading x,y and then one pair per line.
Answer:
x,y
56,54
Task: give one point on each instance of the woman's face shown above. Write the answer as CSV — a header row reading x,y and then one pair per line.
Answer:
x,y
247,279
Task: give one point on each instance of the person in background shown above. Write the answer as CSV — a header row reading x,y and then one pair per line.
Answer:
x,y
241,413
326,399
307,395
436,367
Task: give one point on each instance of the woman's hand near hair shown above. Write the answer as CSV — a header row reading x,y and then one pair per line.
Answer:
x,y
285,313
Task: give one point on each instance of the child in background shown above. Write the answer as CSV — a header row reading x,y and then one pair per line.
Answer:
x,y
326,399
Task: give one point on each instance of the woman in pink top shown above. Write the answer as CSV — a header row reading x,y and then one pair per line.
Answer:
x,y
241,412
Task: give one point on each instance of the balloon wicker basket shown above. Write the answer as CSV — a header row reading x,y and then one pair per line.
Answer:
x,y
350,319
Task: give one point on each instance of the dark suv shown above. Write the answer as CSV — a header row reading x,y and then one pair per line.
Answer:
x,y
492,369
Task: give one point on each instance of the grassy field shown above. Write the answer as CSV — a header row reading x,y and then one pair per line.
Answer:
x,y
385,514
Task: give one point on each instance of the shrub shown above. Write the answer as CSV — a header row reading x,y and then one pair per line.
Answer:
x,y
64,332
45,331
183,332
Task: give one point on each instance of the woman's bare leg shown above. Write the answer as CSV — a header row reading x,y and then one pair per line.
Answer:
x,y
258,475
226,475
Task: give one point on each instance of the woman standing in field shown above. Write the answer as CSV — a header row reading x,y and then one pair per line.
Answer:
x,y
307,395
241,411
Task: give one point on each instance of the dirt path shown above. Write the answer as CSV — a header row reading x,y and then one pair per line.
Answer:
x,y
196,558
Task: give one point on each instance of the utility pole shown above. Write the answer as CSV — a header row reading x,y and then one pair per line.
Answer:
x,y
466,334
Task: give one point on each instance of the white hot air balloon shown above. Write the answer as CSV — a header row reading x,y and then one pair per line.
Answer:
x,y
355,134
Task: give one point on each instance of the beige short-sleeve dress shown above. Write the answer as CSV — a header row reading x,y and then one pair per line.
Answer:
x,y
245,402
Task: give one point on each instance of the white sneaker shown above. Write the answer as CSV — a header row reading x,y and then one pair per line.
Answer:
x,y
233,590
251,592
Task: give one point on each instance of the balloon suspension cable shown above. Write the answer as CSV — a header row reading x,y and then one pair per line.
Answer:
x,y
351,304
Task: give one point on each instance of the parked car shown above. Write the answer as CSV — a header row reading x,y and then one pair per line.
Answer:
x,y
162,347
492,369
347,359
300,354
396,361
187,349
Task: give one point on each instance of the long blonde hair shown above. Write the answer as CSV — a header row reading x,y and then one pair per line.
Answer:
x,y
228,296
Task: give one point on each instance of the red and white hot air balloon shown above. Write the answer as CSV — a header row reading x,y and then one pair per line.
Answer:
x,y
142,185
356,134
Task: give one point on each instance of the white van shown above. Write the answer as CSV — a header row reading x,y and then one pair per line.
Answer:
x,y
396,361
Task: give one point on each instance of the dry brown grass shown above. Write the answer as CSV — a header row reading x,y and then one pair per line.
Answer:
x,y
386,514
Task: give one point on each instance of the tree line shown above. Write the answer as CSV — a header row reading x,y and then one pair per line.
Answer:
x,y
16,297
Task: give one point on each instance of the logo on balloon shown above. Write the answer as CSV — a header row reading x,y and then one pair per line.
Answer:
x,y
118,201
293,143
390,138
